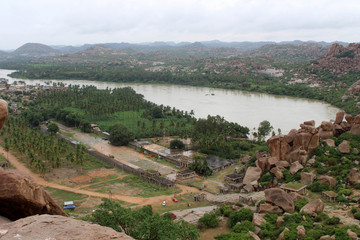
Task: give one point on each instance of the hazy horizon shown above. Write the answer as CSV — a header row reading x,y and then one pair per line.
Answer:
x,y
111,21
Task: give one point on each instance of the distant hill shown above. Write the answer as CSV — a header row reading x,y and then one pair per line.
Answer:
x,y
35,50
290,52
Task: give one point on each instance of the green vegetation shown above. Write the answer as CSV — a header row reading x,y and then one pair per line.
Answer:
x,y
142,223
120,135
209,220
177,144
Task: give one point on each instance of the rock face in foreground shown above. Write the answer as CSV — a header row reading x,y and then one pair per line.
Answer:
x,y
21,197
280,198
45,226
3,112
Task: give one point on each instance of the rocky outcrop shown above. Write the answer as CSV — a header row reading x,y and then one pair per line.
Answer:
x,y
282,234
280,198
20,197
314,207
252,174
301,232
329,142
57,227
3,112
339,59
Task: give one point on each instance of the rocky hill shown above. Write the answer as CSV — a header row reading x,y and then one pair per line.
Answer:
x,y
34,50
290,52
339,60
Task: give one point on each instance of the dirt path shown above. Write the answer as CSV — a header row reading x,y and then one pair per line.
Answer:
x,y
130,199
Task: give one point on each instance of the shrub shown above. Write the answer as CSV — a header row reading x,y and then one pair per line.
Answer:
x,y
243,227
357,215
209,220
177,144
242,215
321,217
318,187
333,221
354,210
299,204
225,210
233,236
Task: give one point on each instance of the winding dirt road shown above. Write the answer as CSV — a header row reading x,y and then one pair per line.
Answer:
x,y
130,199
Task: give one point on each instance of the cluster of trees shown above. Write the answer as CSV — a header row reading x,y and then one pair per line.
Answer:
x,y
142,223
214,135
43,151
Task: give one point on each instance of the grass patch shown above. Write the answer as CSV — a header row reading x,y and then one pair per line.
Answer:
x,y
64,196
92,162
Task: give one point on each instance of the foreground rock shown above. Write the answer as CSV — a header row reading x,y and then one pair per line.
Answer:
x,y
3,112
45,226
280,198
21,197
252,174
314,207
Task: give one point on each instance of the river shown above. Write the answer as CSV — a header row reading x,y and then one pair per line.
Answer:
x,y
246,108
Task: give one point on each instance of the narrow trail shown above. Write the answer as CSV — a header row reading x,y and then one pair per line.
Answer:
x,y
130,199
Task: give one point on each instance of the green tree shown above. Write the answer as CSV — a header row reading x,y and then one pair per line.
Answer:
x,y
53,128
264,130
177,144
209,220
120,135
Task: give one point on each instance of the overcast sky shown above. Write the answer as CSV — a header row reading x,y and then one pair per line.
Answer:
x,y
75,22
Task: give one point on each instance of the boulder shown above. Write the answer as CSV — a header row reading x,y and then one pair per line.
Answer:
x,y
355,129
246,159
325,237
329,142
307,178
338,130
325,134
268,208
302,140
354,176
282,234
355,151
309,129
250,187
344,147
277,171
310,123
283,164
346,126
327,180
290,136
314,207
272,161
239,169
57,227
339,117
3,112
297,155
311,161
351,234
279,221
21,197
357,118
295,167
326,126
253,235
258,219
314,142
252,174
296,196
274,144
279,198
285,148
262,163
349,119
301,232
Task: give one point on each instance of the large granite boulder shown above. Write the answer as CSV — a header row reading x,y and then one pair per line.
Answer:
x,y
314,207
46,226
354,176
252,174
307,178
268,208
258,219
344,147
295,167
21,197
279,198
339,117
327,180
3,112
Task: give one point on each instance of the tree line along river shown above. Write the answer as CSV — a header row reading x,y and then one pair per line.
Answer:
x,y
245,108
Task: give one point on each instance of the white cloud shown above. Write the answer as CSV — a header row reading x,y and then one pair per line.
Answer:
x,y
92,21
